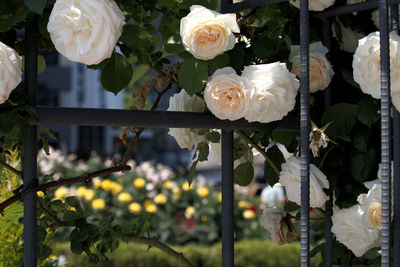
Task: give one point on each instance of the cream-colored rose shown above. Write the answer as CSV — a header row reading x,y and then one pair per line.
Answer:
x,y
314,5
228,95
349,37
206,33
321,71
366,64
185,137
10,71
350,229
371,203
290,178
275,90
271,220
85,31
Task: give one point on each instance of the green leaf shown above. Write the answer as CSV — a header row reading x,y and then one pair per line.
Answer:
x,y
138,73
43,252
348,77
192,75
41,64
276,156
291,206
244,174
76,247
213,137
317,249
373,253
73,201
367,111
343,117
262,46
219,61
192,172
360,140
167,3
137,37
285,138
116,74
35,6
363,165
203,151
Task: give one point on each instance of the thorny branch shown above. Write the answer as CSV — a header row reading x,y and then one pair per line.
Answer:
x,y
10,168
18,195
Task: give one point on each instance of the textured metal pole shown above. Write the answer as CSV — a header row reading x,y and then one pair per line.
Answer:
x,y
304,131
328,205
227,198
30,149
394,12
385,131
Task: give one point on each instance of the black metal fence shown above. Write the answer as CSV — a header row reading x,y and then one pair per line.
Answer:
x,y
104,117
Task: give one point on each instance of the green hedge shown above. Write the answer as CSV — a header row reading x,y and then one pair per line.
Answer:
x,y
250,253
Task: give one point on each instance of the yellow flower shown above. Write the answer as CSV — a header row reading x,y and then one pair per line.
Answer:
x,y
80,191
186,186
203,191
106,184
242,204
160,199
189,212
176,193
139,183
151,208
147,202
115,188
89,194
203,218
98,204
220,196
249,214
135,208
124,197
72,208
57,198
96,183
61,192
40,193
167,184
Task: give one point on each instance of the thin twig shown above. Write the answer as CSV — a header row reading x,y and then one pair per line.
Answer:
x,y
56,222
151,242
259,149
78,179
127,154
8,167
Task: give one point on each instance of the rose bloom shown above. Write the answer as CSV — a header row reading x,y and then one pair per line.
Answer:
x,y
98,204
203,191
314,5
10,71
85,31
271,220
124,197
185,137
228,95
321,71
134,208
160,199
351,229
139,183
291,180
206,33
366,65
371,203
275,90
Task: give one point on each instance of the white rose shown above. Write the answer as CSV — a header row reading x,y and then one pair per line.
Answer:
x,y
275,90
314,5
291,180
10,71
366,64
206,33
371,203
228,95
273,196
351,230
271,220
185,137
85,31
321,71
349,37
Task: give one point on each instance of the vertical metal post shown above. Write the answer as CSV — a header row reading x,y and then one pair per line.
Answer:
x,y
304,131
227,198
385,131
394,11
328,205
30,150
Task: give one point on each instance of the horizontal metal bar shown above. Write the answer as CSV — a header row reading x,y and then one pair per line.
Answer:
x,y
227,8
347,9
143,118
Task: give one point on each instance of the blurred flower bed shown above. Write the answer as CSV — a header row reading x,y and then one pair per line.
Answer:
x,y
179,214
